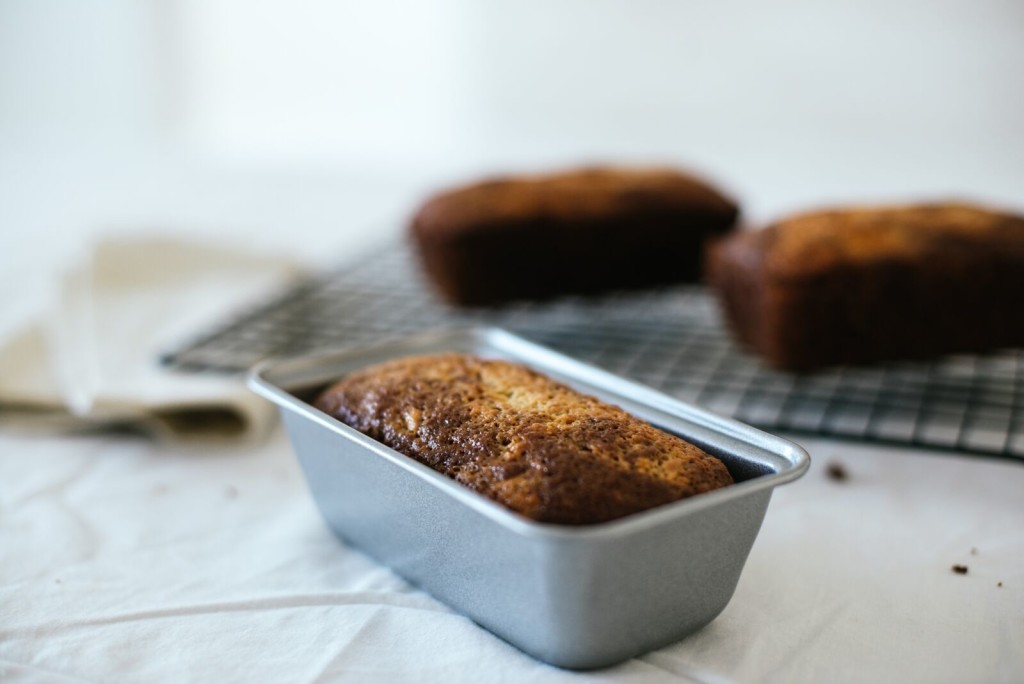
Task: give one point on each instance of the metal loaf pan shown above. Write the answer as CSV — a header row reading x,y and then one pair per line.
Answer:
x,y
577,597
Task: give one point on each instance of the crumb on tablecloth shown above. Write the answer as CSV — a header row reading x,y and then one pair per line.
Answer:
x,y
837,471
959,569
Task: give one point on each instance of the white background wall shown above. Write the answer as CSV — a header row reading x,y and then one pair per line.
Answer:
x,y
315,126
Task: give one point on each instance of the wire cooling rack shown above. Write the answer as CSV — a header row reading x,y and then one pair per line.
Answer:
x,y
672,339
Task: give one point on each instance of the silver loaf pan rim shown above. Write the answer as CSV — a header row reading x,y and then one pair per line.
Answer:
x,y
775,460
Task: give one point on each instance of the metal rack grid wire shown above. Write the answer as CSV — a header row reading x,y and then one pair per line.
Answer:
x,y
672,339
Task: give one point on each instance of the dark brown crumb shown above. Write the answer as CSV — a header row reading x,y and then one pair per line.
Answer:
x,y
959,569
974,550
999,584
837,471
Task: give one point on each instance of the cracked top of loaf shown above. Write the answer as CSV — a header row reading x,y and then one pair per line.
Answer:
x,y
818,242
593,193
518,437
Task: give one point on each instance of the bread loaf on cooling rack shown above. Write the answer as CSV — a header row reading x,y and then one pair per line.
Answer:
x,y
575,232
865,285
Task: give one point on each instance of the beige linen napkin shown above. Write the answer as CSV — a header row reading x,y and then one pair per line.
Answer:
x,y
92,361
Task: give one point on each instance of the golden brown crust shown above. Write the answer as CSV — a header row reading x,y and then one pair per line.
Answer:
x,y
595,193
817,242
863,285
522,439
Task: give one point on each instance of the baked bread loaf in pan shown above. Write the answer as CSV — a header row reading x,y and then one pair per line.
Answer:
x,y
516,436
867,285
574,232
581,597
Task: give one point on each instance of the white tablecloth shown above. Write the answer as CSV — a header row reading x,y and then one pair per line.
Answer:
x,y
125,560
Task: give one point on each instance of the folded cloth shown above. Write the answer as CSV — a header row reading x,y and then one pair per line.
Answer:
x,y
93,360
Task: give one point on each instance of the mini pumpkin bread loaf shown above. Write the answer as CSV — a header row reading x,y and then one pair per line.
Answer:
x,y
522,439
874,284
576,232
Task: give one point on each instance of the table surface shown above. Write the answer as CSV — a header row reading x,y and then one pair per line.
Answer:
x,y
129,560
125,559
